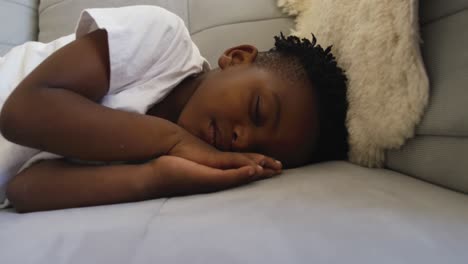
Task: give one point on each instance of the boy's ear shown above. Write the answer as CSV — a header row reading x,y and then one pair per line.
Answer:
x,y
243,54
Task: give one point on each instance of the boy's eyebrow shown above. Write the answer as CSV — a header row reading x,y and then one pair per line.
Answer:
x,y
278,109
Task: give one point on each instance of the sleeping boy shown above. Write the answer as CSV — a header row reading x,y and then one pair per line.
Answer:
x,y
127,109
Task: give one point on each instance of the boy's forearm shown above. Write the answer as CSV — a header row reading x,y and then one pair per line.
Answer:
x,y
68,124
56,184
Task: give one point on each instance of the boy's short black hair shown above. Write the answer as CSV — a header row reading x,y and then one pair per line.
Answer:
x,y
299,58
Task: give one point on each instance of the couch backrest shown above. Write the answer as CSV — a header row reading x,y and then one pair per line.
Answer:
x,y
439,152
18,23
215,25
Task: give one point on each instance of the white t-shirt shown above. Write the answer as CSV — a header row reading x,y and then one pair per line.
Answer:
x,y
150,52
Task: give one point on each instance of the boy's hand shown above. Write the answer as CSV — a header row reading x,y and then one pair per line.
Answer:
x,y
178,176
194,149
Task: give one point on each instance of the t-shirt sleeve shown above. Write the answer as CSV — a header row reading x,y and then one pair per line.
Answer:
x,y
142,41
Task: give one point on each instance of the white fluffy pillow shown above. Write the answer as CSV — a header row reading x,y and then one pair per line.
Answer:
x,y
377,43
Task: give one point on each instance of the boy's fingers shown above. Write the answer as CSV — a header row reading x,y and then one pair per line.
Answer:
x,y
272,164
183,176
266,162
223,179
235,177
235,160
268,173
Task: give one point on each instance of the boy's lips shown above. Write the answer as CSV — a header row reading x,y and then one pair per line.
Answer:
x,y
215,137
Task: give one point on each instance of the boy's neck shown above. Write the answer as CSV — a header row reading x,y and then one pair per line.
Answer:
x,y
173,104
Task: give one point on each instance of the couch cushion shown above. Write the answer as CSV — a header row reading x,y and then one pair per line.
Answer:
x,y
58,18
328,213
445,52
436,9
229,12
233,23
440,149
212,42
436,159
18,23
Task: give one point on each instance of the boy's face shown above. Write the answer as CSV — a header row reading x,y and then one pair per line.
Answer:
x,y
244,108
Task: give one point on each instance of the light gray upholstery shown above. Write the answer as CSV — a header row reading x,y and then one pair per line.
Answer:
x,y
229,12
436,159
249,22
214,41
18,23
233,23
327,213
58,18
333,212
439,153
436,9
445,49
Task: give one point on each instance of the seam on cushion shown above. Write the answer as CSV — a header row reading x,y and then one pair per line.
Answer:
x,y
444,16
155,214
146,228
19,4
433,183
238,22
52,5
189,20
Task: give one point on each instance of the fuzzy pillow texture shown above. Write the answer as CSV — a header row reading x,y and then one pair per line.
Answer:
x,y
377,43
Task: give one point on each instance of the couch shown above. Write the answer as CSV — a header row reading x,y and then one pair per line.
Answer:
x,y
415,210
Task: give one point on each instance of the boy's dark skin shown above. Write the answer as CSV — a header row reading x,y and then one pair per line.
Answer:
x,y
56,109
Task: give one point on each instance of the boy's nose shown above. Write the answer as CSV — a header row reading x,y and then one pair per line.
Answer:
x,y
240,140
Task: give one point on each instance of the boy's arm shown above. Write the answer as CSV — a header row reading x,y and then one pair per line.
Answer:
x,y
55,108
57,184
